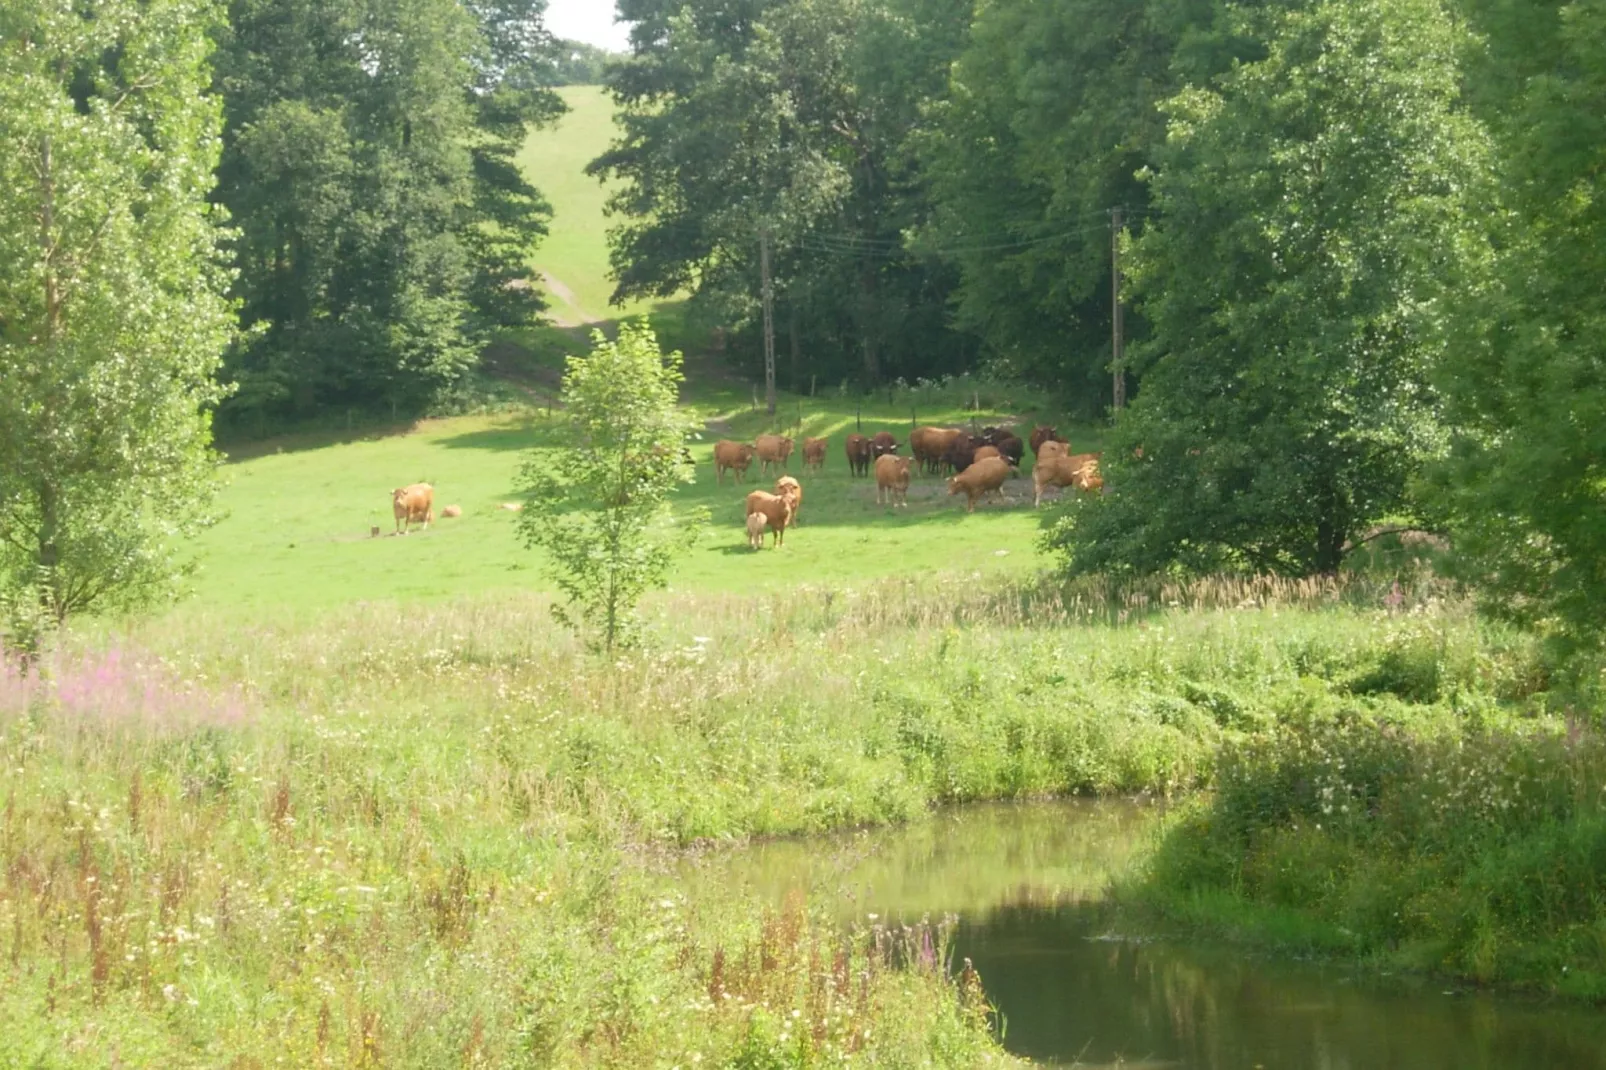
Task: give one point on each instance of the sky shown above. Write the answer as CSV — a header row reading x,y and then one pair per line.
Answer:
x,y
590,21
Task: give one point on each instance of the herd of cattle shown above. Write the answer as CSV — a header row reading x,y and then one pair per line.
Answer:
x,y
976,464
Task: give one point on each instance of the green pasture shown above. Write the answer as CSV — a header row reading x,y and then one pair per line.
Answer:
x,y
299,514
575,253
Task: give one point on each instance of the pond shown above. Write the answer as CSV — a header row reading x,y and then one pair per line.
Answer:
x,y
1025,881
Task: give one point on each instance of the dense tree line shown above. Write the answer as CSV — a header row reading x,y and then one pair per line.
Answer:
x,y
369,164
577,63
1365,240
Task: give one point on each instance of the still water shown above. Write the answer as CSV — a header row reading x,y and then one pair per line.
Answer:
x,y
1025,881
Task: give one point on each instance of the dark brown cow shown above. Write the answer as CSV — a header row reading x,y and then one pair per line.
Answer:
x,y
882,443
961,454
858,448
1011,447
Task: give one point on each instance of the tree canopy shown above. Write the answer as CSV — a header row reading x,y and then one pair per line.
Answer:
x,y
112,307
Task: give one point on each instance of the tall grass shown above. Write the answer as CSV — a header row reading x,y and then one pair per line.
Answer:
x,y
385,836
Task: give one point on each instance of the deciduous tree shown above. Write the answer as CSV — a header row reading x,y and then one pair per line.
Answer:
x,y
599,506
1312,211
112,307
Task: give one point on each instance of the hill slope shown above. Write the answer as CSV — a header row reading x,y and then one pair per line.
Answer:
x,y
573,261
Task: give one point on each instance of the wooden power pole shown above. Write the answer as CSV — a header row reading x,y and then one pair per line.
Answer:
x,y
769,320
1117,324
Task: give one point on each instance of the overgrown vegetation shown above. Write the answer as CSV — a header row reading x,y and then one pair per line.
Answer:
x,y
1473,845
395,838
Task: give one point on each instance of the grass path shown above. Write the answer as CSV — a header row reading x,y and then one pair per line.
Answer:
x,y
573,260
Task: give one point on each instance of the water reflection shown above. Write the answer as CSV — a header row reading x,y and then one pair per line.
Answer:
x,y
1026,880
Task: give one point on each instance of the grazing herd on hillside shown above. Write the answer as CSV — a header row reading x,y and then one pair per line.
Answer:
x,y
977,465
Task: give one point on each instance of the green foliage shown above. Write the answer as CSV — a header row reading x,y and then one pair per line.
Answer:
x,y
1526,399
1471,849
600,508
1051,111
577,63
1313,209
112,314
792,116
369,159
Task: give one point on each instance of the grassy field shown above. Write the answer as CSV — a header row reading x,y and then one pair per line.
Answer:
x,y
444,836
575,254
298,518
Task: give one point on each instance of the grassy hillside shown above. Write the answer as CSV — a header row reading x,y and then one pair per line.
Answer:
x,y
299,512
297,528
574,258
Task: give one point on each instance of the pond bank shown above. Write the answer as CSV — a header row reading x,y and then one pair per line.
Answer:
x,y
1027,883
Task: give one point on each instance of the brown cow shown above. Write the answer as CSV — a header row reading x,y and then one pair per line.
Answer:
x,y
792,491
892,480
981,453
773,450
960,455
735,456
858,448
930,445
882,443
814,454
451,511
1053,448
755,530
983,477
1080,472
1010,446
412,505
777,512
1041,435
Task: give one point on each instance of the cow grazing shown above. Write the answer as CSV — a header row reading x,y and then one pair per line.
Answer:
x,y
858,449
777,512
892,480
983,477
735,456
413,505
1080,472
814,454
755,530
773,450
792,491
930,445
1041,435
451,511
882,443
981,453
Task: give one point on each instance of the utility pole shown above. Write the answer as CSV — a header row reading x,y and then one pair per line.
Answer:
x,y
769,320
1117,324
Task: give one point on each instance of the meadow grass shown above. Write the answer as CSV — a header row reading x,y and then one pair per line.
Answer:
x,y
298,513
575,252
360,836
